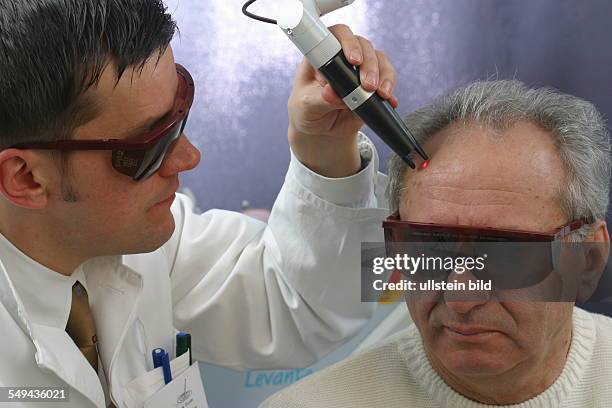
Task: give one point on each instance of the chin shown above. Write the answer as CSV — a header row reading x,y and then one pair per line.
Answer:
x,y
156,236
475,363
165,232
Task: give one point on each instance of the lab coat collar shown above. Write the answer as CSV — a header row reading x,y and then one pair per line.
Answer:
x,y
30,280
114,291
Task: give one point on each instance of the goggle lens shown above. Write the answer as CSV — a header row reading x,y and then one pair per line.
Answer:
x,y
142,164
514,259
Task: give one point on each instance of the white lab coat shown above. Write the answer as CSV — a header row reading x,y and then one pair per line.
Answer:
x,y
253,295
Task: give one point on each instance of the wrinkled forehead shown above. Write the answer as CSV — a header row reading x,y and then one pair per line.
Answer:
x,y
482,177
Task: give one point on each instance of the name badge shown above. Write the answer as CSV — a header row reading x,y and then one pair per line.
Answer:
x,y
184,391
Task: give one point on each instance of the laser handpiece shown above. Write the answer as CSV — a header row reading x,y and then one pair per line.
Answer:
x,y
300,21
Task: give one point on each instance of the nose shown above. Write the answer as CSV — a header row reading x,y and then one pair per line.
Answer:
x,y
463,301
182,156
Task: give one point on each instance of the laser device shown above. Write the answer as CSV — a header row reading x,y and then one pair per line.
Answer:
x,y
301,23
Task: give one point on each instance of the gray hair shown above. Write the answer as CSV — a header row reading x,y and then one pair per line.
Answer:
x,y
581,136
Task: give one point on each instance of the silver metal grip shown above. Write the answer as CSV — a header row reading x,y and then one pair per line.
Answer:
x,y
356,98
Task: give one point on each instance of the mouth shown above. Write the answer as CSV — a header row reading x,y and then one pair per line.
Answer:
x,y
168,198
167,201
469,333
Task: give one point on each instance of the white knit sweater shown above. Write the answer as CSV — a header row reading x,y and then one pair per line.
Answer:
x,y
398,374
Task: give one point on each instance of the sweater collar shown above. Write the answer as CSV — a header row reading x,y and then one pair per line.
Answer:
x,y
583,340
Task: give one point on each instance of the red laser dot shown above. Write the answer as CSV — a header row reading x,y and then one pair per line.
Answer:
x,y
424,165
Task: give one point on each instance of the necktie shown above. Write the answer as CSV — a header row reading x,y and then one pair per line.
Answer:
x,y
81,326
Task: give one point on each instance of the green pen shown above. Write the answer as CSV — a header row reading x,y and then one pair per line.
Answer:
x,y
183,344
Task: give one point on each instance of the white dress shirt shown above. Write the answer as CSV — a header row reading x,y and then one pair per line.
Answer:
x,y
252,295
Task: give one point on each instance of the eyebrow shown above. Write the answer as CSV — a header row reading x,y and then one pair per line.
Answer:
x,y
149,124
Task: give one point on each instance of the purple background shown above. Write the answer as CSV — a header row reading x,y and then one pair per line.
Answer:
x,y
243,71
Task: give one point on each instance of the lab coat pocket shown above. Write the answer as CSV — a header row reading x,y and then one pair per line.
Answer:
x,y
142,390
184,391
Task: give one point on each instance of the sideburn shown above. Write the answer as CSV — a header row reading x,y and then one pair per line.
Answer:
x,y
69,193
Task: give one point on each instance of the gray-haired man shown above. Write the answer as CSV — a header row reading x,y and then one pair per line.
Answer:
x,y
503,157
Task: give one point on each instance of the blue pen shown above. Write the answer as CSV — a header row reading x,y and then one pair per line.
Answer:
x,y
161,359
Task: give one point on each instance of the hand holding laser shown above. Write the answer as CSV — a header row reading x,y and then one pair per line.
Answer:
x,y
300,21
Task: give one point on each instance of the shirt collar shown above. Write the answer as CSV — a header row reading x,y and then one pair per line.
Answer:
x,y
46,295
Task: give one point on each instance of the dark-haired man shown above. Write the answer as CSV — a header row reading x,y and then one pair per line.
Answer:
x,y
92,112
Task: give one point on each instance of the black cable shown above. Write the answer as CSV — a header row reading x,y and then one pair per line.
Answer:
x,y
255,16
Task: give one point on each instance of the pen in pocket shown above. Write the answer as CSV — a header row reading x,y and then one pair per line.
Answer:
x,y
183,344
161,359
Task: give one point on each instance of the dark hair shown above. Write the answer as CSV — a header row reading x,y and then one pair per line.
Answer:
x,y
53,51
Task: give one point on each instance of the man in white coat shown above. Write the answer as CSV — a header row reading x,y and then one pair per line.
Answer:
x,y
92,113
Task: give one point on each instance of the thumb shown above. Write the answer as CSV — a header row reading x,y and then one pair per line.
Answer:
x,y
330,96
315,101
305,73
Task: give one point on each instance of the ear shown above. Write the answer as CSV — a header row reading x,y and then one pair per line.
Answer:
x,y
19,183
596,249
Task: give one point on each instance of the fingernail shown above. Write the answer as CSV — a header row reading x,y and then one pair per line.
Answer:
x,y
371,79
386,87
356,56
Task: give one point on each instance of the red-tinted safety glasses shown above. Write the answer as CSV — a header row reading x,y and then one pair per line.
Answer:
x,y
138,157
514,259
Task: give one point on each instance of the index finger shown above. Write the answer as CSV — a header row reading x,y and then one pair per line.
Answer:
x,y
350,43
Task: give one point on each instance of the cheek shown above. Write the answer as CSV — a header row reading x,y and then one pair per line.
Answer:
x,y
112,213
420,312
538,323
112,197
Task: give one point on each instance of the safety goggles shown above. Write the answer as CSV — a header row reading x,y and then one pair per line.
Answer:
x,y
139,157
512,259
